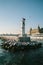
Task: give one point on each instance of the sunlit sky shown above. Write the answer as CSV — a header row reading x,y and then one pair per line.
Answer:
x,y
12,12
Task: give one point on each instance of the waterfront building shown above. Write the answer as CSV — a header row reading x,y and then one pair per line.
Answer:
x,y
36,31
36,34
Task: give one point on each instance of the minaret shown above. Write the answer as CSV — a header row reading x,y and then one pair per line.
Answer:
x,y
23,27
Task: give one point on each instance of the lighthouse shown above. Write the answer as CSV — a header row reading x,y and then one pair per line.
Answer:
x,y
23,27
24,37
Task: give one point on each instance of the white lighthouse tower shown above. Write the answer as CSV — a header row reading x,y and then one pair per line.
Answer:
x,y
24,37
23,27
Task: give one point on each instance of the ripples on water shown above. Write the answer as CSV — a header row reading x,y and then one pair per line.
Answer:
x,y
31,57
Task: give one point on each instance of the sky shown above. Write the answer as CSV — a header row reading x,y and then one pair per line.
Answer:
x,y
12,12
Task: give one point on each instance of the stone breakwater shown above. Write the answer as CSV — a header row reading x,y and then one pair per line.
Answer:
x,y
20,46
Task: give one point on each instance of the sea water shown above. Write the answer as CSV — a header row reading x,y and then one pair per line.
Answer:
x,y
30,57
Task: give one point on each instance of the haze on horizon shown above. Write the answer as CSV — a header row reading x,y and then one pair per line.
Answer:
x,y
12,12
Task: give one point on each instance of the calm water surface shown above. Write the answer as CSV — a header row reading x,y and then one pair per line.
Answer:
x,y
31,57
